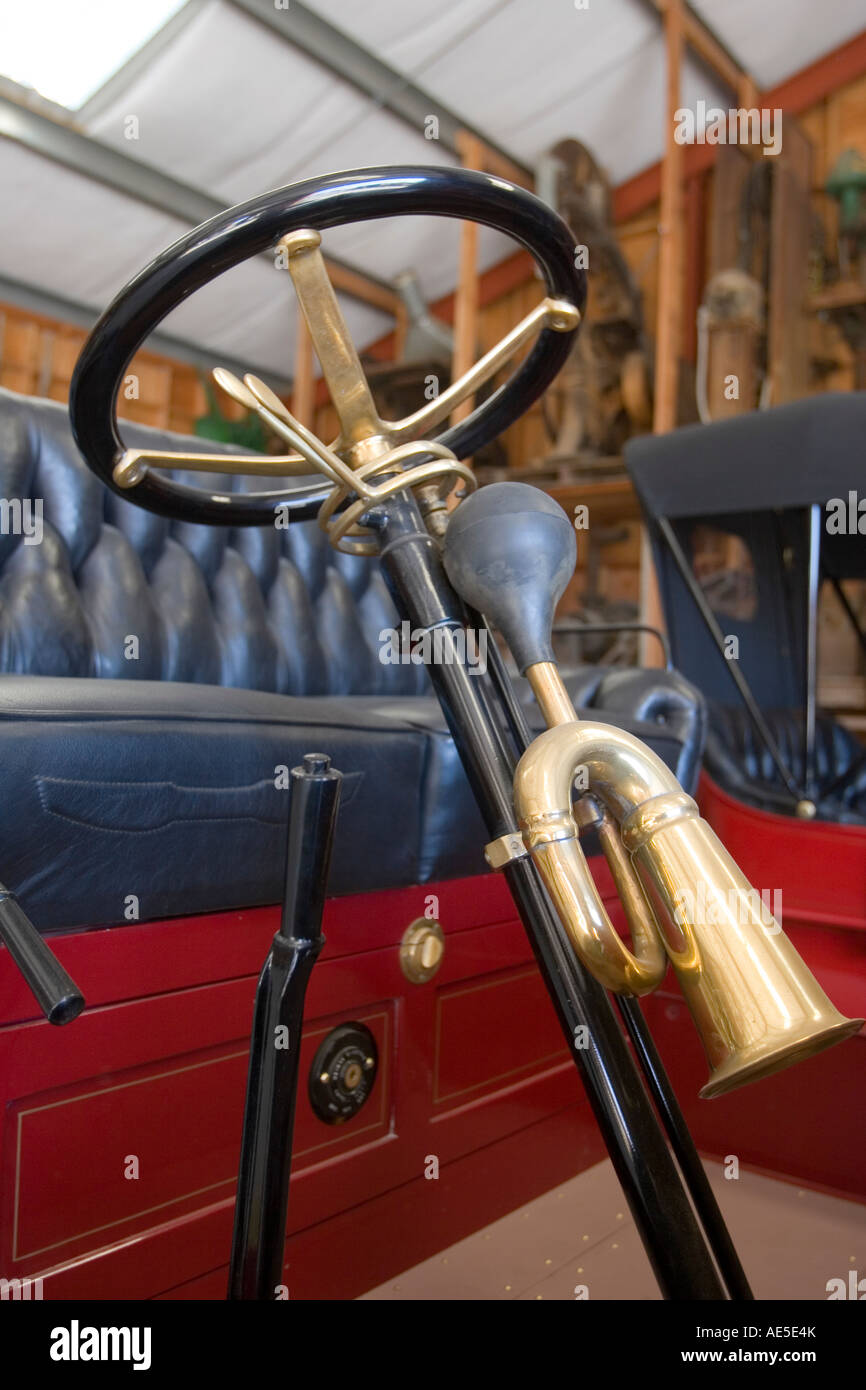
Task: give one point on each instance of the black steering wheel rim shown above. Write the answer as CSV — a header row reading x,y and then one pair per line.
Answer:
x,y
254,227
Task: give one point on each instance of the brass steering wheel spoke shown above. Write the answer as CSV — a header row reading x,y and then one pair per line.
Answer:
x,y
371,458
133,464
341,367
557,314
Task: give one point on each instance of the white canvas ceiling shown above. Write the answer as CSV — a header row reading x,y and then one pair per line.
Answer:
x,y
229,108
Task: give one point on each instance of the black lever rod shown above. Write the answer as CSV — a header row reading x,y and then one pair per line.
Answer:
x,y
262,1200
56,993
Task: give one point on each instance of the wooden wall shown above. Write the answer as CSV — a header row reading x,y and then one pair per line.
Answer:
x,y
38,354
832,126
836,124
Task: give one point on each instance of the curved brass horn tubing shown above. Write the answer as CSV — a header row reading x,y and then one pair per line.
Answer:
x,y
573,892
542,797
755,1002
646,934
646,969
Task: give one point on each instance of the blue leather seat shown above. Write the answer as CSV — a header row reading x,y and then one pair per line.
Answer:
x,y
741,762
158,677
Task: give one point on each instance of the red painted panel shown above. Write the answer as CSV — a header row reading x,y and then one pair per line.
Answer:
x,y
472,1069
161,1076
142,959
805,1123
179,1120
409,1224
819,865
492,1031
77,1145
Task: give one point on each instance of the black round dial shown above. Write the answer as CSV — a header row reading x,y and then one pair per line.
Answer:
x,y
343,1073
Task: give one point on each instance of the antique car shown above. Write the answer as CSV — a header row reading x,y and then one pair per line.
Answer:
x,y
192,626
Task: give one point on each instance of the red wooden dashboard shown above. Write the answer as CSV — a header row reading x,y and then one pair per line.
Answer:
x,y
120,1132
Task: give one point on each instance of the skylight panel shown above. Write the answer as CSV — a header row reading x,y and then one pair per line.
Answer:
x,y
67,51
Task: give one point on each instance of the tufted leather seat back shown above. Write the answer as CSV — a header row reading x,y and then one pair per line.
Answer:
x,y
740,760
221,656
257,608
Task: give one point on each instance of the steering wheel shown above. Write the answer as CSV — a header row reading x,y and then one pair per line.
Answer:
x,y
289,221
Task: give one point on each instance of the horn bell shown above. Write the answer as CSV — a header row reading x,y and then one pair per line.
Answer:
x,y
756,1004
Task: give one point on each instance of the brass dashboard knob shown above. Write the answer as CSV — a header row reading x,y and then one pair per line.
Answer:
x,y
422,950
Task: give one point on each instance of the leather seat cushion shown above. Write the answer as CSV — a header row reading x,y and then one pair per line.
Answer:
x,y
168,792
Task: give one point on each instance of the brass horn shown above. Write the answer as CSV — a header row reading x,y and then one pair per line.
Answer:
x,y
755,1003
510,551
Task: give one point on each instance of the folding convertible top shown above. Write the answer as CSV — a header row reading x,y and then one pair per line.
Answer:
x,y
794,456
789,485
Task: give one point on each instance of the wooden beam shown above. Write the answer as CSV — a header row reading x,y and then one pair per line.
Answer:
x,y
400,334
466,296
491,160
353,282
668,322
790,226
748,95
703,42
826,75
646,226
499,280
729,180
643,189
707,45
793,96
670,296
695,251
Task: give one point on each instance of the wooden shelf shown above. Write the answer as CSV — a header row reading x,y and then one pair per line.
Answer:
x,y
609,500
847,294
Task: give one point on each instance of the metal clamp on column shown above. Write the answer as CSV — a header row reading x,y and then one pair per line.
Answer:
x,y
505,849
